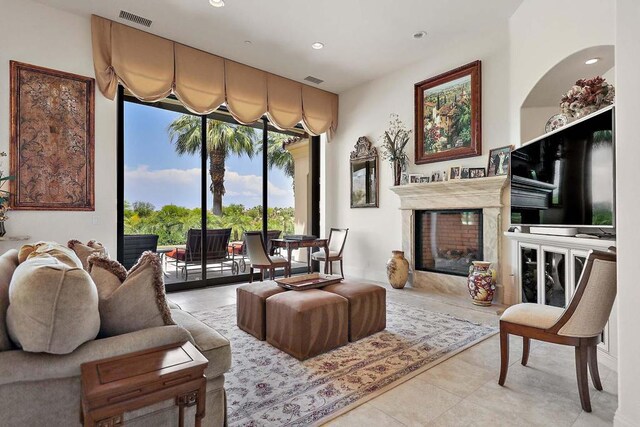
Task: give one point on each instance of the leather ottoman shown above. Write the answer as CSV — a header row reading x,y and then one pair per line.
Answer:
x,y
367,307
250,305
307,323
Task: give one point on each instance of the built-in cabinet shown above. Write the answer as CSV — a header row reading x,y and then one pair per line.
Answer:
x,y
548,268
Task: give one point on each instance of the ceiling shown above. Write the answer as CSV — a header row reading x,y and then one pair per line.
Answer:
x,y
364,39
559,79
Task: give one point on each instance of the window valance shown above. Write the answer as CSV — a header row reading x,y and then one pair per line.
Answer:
x,y
152,68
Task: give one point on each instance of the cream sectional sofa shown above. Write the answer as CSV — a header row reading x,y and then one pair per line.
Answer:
x,y
41,389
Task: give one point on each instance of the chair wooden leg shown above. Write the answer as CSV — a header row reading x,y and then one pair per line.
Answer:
x,y
341,269
593,367
504,356
261,274
582,352
330,267
250,274
526,345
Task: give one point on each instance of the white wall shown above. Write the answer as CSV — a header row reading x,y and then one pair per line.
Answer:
x,y
628,207
36,34
364,111
543,33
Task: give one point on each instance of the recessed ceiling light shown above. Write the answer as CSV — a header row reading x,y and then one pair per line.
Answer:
x,y
247,42
591,61
317,45
216,3
419,34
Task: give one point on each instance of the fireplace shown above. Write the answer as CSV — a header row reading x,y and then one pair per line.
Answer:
x,y
448,241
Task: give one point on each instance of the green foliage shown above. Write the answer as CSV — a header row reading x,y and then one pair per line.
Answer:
x,y
172,222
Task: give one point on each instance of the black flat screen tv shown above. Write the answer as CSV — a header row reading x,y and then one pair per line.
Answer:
x,y
567,178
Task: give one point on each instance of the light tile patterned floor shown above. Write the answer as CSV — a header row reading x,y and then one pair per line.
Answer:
x,y
463,391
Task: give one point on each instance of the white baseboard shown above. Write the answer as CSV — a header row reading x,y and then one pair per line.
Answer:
x,y
607,360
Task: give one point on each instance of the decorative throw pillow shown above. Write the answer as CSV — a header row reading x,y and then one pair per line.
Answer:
x,y
8,264
53,249
130,301
53,308
85,251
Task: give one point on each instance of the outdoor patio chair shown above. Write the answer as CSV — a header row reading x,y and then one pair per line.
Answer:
x,y
216,244
134,245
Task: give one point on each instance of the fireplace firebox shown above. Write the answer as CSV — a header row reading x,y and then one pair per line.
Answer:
x,y
448,241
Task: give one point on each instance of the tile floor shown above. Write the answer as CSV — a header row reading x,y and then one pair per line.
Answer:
x,y
463,391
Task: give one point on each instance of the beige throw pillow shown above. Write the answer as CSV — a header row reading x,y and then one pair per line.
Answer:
x,y
85,251
8,264
53,308
55,250
130,301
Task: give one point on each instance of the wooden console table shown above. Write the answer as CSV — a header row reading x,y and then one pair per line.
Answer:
x,y
113,386
291,244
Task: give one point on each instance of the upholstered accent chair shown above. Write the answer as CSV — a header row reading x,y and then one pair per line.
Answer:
x,y
337,239
579,325
260,259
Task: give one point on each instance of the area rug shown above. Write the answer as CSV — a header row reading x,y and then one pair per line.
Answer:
x,y
267,387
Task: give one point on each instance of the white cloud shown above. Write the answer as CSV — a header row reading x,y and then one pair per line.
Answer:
x,y
182,187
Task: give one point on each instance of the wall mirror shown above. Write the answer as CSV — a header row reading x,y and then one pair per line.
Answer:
x,y
364,175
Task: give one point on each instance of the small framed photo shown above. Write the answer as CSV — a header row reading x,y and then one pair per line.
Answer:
x,y
435,177
499,160
477,173
464,173
414,178
424,179
454,173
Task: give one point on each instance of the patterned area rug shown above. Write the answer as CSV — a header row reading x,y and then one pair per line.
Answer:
x,y
267,387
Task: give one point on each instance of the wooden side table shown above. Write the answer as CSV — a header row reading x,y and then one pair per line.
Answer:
x,y
113,386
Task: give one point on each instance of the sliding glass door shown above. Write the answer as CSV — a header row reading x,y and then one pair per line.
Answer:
x,y
192,201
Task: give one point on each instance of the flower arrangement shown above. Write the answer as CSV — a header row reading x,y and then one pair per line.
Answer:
x,y
587,96
394,142
4,194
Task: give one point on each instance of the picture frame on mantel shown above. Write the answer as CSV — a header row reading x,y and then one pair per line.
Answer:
x,y
52,144
448,117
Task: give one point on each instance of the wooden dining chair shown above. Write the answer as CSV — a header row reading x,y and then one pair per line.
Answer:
x,y
579,325
260,259
337,239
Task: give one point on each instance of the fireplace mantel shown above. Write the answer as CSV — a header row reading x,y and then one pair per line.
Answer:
x,y
477,193
452,194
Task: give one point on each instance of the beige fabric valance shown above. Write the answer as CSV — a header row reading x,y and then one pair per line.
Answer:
x,y
152,68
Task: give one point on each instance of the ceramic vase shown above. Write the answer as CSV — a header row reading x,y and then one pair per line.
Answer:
x,y
398,270
482,282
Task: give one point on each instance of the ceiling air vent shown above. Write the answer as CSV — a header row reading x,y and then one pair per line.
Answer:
x,y
135,18
313,80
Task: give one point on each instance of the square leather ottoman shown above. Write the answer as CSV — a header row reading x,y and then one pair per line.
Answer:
x,y
251,307
367,307
307,323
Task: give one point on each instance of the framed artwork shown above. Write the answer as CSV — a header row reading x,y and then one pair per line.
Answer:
x,y
364,174
424,179
464,173
454,173
448,117
52,139
415,178
477,173
499,161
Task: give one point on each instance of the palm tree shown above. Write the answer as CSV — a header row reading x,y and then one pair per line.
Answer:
x,y
277,155
223,139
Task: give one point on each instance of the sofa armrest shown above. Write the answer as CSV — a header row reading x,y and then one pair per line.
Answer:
x,y
211,344
19,366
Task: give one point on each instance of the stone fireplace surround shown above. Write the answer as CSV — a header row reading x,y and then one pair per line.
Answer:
x,y
478,193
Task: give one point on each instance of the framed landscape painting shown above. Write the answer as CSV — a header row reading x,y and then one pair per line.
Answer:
x,y
52,139
448,116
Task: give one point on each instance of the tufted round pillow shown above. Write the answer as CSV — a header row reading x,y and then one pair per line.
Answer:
x,y
53,308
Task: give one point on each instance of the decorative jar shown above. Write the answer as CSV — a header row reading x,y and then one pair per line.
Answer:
x,y
397,270
482,282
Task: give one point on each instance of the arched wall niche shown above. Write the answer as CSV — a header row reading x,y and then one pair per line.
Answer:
x,y
543,101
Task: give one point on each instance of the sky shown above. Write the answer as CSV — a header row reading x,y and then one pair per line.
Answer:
x,y
155,173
